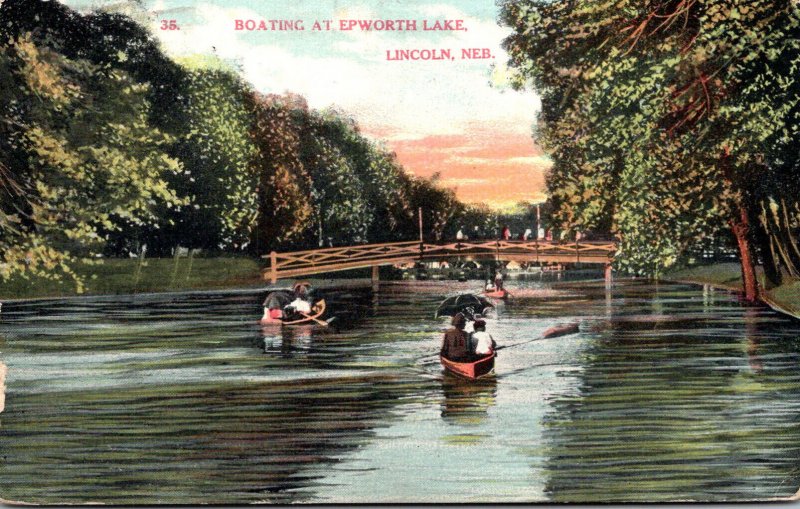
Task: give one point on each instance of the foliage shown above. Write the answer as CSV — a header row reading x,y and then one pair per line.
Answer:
x,y
284,184
661,116
79,159
108,146
220,178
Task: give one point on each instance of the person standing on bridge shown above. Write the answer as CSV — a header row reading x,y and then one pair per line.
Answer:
x,y
506,233
460,234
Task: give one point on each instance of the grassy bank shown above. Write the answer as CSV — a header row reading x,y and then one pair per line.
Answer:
x,y
130,275
784,298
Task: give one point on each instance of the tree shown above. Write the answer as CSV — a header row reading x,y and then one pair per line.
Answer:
x,y
340,210
220,178
649,113
284,190
78,157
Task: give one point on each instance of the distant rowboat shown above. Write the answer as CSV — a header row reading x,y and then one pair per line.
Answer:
x,y
496,294
316,312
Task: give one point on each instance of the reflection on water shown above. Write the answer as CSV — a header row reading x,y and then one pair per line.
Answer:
x,y
467,401
669,392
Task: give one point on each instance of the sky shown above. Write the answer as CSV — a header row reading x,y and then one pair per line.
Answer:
x,y
458,118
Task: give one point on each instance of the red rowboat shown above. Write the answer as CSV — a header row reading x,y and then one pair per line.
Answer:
x,y
497,294
471,370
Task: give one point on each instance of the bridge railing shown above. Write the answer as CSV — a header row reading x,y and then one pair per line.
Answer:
x,y
575,248
299,263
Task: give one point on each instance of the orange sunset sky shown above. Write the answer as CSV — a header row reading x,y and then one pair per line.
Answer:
x,y
492,166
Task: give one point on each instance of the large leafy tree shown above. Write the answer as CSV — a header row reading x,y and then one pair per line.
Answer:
x,y
78,157
656,115
284,188
218,154
341,211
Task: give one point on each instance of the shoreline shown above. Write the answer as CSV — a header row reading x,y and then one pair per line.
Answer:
x,y
784,299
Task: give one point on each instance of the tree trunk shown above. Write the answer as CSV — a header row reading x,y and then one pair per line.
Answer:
x,y
741,229
769,259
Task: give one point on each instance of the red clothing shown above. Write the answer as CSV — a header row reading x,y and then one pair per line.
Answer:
x,y
506,234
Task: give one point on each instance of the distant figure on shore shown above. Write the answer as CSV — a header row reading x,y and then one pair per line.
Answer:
x,y
455,345
460,234
506,233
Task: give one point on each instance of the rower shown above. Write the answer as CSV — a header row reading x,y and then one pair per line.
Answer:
x,y
498,281
455,345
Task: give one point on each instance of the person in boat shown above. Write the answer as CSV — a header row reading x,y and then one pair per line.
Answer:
x,y
498,281
301,305
274,304
482,342
455,345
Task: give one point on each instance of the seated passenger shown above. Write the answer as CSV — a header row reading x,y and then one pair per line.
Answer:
x,y
482,341
302,299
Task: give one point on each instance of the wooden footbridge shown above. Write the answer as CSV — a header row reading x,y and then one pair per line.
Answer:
x,y
314,261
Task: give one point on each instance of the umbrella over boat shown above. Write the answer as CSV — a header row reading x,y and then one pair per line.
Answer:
x,y
467,303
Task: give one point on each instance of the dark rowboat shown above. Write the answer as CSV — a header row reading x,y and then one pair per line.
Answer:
x,y
470,370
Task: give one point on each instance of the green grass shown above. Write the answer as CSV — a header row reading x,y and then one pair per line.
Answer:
x,y
130,275
726,275
785,298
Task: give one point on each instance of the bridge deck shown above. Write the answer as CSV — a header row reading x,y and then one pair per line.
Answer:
x,y
333,259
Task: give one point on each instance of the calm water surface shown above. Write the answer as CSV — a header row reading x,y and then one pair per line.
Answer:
x,y
669,392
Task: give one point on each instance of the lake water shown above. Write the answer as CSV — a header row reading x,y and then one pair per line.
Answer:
x,y
668,392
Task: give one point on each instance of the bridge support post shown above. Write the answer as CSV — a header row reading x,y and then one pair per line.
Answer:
x,y
273,267
609,276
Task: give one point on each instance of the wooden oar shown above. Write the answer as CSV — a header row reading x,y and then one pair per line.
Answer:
x,y
552,332
321,322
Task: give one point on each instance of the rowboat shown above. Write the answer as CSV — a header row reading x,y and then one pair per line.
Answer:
x,y
496,294
470,370
317,310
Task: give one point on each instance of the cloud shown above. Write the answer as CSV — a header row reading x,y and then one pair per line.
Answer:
x,y
458,118
349,70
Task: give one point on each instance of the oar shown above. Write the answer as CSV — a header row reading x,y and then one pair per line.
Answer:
x,y
552,332
315,319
